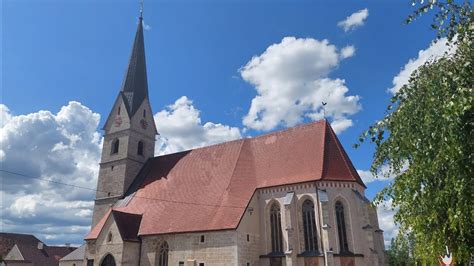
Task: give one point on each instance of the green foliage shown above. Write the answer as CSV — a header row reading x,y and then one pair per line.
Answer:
x,y
401,251
451,17
426,140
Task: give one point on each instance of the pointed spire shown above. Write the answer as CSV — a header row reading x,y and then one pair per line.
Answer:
x,y
135,84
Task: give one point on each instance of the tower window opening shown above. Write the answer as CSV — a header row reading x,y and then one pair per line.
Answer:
x,y
118,110
140,148
144,113
115,146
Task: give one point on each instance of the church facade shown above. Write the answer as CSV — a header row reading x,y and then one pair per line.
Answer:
x,y
287,198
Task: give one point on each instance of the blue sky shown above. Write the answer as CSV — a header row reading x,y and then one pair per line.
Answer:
x,y
55,52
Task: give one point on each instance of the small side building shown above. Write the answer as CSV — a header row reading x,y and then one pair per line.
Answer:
x,y
74,258
27,250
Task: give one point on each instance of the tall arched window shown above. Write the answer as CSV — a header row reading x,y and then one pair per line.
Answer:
x,y
163,258
108,261
140,148
115,146
275,226
309,225
341,228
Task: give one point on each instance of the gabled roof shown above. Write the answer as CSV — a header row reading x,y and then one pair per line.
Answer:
x,y
209,188
8,240
78,254
48,255
135,85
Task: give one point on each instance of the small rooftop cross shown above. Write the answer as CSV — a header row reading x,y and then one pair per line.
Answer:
x,y
141,8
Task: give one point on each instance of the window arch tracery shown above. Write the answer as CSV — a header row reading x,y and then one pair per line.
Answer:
x,y
309,226
163,255
275,227
341,228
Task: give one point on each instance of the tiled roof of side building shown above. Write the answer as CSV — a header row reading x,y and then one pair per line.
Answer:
x,y
212,186
49,255
8,240
77,254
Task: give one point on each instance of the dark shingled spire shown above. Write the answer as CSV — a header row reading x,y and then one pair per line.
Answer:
x,y
135,86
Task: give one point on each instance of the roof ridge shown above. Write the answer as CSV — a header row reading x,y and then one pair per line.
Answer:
x,y
251,138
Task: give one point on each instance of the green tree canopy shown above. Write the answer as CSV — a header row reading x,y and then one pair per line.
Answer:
x,y
426,140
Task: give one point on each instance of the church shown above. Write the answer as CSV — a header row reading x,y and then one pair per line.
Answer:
x,y
291,197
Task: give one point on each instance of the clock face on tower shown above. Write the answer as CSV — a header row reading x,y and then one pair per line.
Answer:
x,y
118,121
144,123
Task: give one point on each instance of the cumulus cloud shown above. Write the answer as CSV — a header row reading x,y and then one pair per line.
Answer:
x,y
181,128
434,51
355,20
385,173
63,147
347,51
291,80
385,215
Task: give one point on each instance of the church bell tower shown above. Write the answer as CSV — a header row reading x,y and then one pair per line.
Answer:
x,y
129,139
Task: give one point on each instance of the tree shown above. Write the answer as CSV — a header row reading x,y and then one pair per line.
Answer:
x,y
401,251
426,140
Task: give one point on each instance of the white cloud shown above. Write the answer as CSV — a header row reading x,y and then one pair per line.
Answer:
x,y
180,128
385,173
368,177
347,51
354,20
386,222
24,206
146,26
291,80
435,50
64,147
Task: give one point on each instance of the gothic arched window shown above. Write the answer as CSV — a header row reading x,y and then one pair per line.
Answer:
x,y
108,261
309,225
275,226
163,257
115,146
140,148
341,228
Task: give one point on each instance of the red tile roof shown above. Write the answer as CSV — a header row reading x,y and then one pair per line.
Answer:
x,y
209,188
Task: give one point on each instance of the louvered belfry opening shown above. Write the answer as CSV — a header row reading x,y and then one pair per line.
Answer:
x,y
275,225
